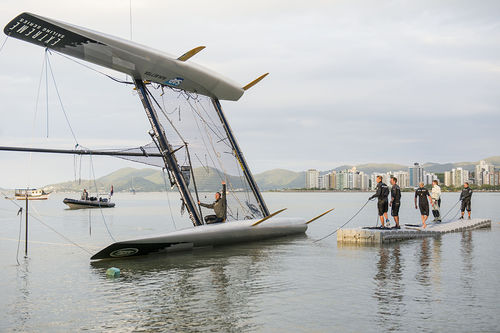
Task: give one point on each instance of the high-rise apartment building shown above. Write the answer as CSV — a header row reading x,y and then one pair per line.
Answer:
x,y
416,174
312,178
482,172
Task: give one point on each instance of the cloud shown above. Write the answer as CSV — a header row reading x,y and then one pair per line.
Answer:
x,y
351,81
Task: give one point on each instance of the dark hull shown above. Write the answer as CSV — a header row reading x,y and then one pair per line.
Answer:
x,y
79,204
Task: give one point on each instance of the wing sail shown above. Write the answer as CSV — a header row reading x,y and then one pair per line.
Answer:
x,y
136,60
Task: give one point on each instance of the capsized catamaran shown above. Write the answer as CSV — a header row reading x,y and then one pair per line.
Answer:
x,y
192,139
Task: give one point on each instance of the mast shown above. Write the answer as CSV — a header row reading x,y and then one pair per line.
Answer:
x,y
168,153
241,158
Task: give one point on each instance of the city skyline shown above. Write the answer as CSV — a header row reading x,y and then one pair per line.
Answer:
x,y
353,179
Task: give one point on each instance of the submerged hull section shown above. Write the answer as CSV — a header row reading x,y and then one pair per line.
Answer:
x,y
206,235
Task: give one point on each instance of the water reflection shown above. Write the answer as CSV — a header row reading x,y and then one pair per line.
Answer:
x,y
436,265
389,288
20,311
468,273
202,290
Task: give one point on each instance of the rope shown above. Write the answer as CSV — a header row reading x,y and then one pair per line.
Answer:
x,y
333,232
97,191
49,227
20,213
456,203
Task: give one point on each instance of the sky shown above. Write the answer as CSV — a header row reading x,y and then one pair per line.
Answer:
x,y
350,82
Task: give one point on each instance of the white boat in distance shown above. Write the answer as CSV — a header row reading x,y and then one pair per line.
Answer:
x,y
32,194
189,130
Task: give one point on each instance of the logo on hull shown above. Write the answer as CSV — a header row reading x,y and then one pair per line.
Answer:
x,y
174,82
125,252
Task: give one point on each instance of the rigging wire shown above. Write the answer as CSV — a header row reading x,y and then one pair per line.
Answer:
x,y
60,101
48,226
4,42
130,18
97,191
343,225
168,199
93,69
47,88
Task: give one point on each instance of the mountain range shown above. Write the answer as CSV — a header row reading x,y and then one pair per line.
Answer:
x,y
207,179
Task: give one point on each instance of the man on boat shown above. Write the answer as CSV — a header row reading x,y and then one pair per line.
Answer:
x,y
465,196
382,204
422,193
395,201
85,195
436,200
219,206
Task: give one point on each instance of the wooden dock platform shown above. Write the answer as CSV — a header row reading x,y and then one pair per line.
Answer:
x,y
379,236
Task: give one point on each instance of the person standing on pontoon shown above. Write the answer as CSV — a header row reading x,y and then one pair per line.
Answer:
x,y
382,204
219,206
436,201
422,193
465,197
395,201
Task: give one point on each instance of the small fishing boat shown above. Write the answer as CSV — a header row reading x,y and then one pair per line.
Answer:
x,y
92,202
32,194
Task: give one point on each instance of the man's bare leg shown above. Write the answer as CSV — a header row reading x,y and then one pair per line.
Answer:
x,y
382,221
396,219
424,218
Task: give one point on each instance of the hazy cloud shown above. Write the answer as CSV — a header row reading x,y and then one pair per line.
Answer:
x,y
350,82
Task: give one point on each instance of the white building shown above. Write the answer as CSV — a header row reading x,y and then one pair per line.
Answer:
x,y
416,174
312,178
324,181
448,180
403,178
482,172
459,176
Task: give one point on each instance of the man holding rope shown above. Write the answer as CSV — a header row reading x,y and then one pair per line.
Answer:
x,y
465,197
382,204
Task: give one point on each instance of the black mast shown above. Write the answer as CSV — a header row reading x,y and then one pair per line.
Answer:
x,y
241,159
168,153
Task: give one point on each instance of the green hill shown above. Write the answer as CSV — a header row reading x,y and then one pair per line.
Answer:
x,y
208,179
280,179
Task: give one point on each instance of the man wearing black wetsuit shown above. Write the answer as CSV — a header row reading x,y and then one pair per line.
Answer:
x,y
383,206
465,196
422,193
395,201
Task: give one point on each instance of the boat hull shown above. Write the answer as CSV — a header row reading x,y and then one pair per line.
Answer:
x,y
206,235
81,204
36,197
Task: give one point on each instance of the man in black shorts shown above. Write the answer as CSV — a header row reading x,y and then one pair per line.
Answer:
x,y
422,193
395,201
465,196
382,204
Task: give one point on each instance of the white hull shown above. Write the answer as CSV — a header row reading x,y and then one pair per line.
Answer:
x,y
205,235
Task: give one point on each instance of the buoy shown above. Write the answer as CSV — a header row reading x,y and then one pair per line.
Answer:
x,y
113,272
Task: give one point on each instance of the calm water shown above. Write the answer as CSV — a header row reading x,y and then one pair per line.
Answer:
x,y
447,284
